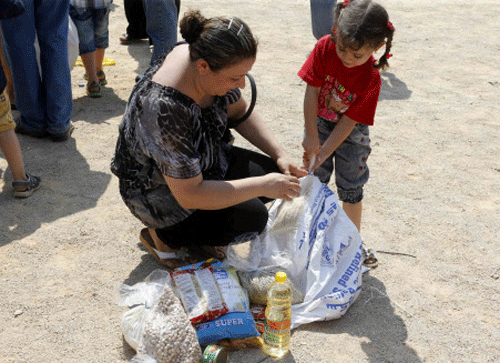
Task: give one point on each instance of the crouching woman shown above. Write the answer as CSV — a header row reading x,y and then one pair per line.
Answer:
x,y
177,174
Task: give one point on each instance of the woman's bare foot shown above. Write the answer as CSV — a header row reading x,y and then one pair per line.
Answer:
x,y
168,257
159,245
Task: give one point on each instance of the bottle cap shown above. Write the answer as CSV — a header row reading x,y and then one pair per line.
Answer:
x,y
280,276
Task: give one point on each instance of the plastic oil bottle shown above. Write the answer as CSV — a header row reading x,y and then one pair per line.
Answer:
x,y
278,317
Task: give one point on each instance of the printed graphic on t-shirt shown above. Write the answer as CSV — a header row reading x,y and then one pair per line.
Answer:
x,y
334,99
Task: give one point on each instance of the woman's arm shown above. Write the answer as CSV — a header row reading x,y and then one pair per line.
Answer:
x,y
343,128
197,193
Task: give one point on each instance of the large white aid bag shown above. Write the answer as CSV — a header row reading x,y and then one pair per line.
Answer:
x,y
73,46
316,242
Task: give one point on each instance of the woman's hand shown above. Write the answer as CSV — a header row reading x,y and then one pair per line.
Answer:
x,y
311,147
280,186
288,167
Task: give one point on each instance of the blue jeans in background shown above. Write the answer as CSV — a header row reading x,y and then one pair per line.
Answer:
x,y
92,26
322,17
44,99
161,25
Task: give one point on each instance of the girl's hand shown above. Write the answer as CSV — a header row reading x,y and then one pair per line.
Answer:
x,y
288,167
311,147
316,160
280,186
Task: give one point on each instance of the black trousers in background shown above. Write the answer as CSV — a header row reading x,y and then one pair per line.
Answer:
x,y
136,18
221,227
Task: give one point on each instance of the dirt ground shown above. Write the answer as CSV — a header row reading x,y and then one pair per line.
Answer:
x,y
432,206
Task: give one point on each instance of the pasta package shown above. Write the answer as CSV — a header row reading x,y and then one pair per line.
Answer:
x,y
199,293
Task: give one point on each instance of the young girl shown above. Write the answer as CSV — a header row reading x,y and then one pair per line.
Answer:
x,y
343,85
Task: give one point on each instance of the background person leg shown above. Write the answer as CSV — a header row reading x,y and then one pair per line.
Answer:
x,y
322,17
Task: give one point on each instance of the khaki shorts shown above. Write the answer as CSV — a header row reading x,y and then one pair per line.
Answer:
x,y
6,121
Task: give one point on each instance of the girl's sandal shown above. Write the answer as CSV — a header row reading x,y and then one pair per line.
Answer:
x,y
24,188
371,260
94,90
101,75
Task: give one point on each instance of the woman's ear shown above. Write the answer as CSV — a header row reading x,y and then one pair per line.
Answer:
x,y
202,66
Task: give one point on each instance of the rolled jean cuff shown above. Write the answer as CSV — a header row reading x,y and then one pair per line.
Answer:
x,y
351,196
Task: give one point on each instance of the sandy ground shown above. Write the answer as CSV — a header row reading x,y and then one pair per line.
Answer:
x,y
432,206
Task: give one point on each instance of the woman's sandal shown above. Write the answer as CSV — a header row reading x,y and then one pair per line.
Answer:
x,y
94,90
170,260
371,260
24,188
101,75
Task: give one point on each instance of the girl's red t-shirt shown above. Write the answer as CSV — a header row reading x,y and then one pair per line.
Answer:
x,y
350,91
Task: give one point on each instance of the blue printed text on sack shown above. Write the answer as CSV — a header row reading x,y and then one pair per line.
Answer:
x,y
353,267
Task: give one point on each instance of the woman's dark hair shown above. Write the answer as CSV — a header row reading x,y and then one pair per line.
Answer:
x,y
221,42
363,22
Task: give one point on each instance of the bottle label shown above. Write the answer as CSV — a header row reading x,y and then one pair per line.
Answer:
x,y
277,333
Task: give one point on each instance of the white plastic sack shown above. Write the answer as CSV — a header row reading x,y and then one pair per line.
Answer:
x,y
312,238
73,46
156,326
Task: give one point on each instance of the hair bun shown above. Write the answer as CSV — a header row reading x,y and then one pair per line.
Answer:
x,y
191,26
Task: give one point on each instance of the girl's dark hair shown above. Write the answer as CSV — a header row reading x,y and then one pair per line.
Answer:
x,y
363,22
221,42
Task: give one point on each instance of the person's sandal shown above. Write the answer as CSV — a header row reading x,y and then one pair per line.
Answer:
x,y
24,188
102,78
101,75
371,260
94,90
170,260
127,39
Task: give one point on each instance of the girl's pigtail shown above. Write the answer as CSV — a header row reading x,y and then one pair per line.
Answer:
x,y
336,15
383,63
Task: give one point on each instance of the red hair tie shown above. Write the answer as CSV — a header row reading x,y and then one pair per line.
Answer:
x,y
346,2
387,55
390,26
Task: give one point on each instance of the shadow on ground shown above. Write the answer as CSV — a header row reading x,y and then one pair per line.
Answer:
x,y
393,88
373,318
92,111
62,193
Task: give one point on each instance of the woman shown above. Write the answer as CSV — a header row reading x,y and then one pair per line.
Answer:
x,y
189,187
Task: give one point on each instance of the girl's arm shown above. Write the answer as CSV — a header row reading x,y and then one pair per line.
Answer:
x,y
256,132
310,142
343,128
197,193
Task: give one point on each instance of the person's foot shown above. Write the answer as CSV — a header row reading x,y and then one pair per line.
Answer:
x,y
24,188
20,129
100,75
94,90
62,136
126,39
371,260
168,257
